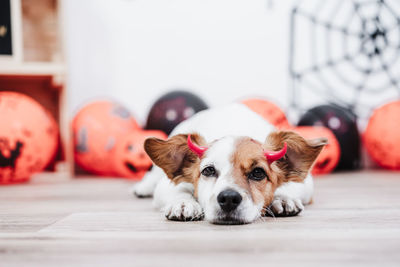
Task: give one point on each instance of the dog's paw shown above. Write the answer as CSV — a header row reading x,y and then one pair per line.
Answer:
x,y
184,210
142,190
286,206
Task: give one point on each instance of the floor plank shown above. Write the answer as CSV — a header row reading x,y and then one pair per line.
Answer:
x,y
55,220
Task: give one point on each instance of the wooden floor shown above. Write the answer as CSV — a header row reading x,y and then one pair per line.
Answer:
x,y
57,221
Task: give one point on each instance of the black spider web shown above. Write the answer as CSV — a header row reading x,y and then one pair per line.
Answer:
x,y
376,53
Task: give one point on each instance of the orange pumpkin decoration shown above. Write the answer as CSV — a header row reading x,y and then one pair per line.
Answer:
x,y
28,137
330,154
269,111
96,129
130,160
382,136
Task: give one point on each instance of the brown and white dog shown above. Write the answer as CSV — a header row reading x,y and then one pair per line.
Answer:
x,y
229,166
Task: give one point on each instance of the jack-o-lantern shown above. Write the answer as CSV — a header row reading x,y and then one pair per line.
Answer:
x,y
269,111
343,124
330,154
28,137
130,160
97,127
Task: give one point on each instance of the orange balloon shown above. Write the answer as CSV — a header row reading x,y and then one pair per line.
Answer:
x,y
130,159
382,136
269,111
96,129
28,137
330,154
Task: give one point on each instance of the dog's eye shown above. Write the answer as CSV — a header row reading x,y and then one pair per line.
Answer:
x,y
209,171
257,174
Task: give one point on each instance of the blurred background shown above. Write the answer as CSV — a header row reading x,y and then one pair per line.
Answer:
x,y
322,63
135,51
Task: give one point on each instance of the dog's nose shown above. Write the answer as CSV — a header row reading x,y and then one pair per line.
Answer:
x,y
229,200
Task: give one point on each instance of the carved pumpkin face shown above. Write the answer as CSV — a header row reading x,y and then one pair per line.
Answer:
x,y
130,159
330,154
28,137
97,128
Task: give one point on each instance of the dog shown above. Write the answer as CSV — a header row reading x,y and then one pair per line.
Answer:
x,y
228,165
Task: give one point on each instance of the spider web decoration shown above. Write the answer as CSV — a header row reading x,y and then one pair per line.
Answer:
x,y
345,52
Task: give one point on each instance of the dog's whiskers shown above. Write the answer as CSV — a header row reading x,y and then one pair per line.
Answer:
x,y
197,217
268,211
262,219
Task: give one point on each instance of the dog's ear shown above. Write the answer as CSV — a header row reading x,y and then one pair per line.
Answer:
x,y
173,155
300,155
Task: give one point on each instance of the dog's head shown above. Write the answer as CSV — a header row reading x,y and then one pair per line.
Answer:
x,y
235,177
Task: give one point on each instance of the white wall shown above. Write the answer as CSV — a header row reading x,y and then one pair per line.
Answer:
x,y
224,50
136,50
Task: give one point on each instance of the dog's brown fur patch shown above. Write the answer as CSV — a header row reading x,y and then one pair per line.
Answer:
x,y
300,155
294,166
248,155
179,163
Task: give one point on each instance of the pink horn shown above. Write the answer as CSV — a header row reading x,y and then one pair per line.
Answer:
x,y
199,150
275,155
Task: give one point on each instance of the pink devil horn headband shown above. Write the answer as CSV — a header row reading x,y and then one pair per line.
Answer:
x,y
275,155
198,150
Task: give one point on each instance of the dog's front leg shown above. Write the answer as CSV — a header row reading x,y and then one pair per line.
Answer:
x,y
145,188
290,197
177,201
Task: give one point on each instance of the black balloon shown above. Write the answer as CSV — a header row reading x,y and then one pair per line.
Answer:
x,y
173,108
343,124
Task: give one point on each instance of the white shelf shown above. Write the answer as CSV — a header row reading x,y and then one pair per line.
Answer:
x,y
31,68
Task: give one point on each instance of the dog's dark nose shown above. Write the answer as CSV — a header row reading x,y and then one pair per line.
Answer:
x,y
229,200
